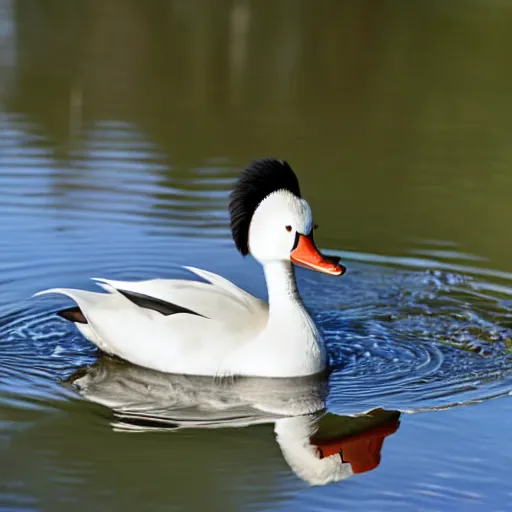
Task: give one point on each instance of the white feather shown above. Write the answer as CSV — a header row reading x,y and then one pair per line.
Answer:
x,y
218,299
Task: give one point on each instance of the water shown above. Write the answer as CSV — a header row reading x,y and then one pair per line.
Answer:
x,y
123,127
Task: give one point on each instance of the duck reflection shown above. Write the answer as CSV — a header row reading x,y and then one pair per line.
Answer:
x,y
320,447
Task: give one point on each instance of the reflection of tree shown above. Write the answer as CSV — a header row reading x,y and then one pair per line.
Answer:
x,y
401,95
302,63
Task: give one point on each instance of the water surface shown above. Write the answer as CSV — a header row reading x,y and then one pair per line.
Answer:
x,y
123,127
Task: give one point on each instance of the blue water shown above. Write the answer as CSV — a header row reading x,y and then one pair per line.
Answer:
x,y
416,334
123,127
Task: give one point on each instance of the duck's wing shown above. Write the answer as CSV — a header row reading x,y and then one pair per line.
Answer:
x,y
168,325
217,298
175,342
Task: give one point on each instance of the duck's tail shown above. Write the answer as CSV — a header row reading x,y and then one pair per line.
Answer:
x,y
82,314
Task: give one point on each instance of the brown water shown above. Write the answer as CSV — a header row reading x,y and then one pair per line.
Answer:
x,y
123,125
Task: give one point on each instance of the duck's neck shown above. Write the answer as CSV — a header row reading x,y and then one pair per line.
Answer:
x,y
282,289
290,332
282,286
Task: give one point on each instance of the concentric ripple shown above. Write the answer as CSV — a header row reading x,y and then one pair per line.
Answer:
x,y
411,333
409,338
399,337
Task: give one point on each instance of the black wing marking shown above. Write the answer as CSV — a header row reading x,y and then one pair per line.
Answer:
x,y
162,306
73,314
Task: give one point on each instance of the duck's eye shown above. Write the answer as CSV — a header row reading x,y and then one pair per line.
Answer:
x,y
315,226
288,228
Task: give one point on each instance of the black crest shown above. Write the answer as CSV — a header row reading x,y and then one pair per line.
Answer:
x,y
256,182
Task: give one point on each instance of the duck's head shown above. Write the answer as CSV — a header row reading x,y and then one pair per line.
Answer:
x,y
270,220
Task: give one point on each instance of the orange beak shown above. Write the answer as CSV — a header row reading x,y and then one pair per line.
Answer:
x,y
307,255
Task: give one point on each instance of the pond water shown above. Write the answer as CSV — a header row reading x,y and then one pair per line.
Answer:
x,y
123,126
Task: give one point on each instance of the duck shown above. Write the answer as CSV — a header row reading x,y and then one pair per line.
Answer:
x,y
211,327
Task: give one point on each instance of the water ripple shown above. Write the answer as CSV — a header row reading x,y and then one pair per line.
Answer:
x,y
406,338
430,329
428,348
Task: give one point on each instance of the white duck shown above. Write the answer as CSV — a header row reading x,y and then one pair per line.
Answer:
x,y
214,327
